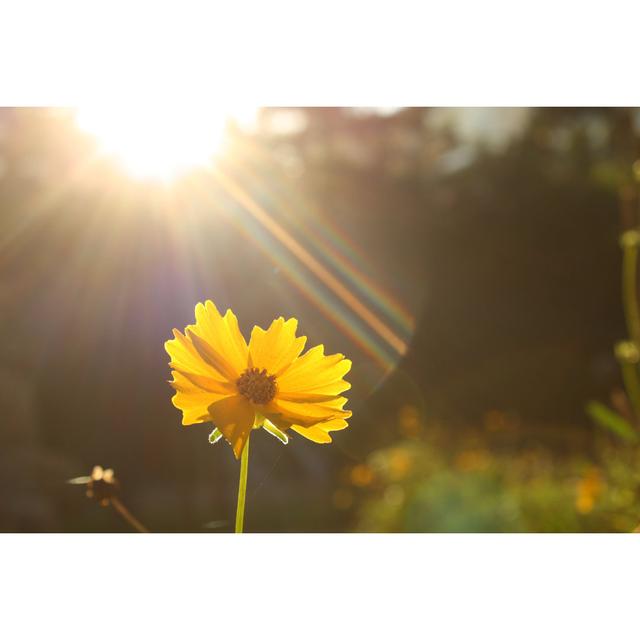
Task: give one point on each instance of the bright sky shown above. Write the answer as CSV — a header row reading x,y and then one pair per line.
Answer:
x,y
159,142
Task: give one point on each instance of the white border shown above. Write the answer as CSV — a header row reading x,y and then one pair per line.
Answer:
x,y
491,53
319,586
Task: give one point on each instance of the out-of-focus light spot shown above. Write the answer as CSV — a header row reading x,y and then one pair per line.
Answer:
x,y
342,499
283,122
394,495
584,503
409,421
392,464
627,352
400,463
378,462
154,141
457,159
489,126
382,112
588,489
361,475
472,460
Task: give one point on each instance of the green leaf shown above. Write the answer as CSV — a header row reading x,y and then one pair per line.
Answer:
x,y
609,419
214,436
269,427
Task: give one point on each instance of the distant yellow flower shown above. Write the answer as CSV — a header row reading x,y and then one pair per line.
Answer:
x,y
219,378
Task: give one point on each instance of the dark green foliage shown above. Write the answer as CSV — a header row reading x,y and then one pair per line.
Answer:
x,y
614,422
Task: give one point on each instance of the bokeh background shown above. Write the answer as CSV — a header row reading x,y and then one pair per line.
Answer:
x,y
466,259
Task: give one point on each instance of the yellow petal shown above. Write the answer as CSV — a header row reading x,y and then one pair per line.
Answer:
x,y
316,373
207,383
211,356
191,408
314,394
219,341
234,416
305,414
296,396
315,434
277,347
336,424
320,433
185,357
193,400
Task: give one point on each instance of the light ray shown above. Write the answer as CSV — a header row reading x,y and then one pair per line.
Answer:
x,y
328,241
156,141
303,280
318,269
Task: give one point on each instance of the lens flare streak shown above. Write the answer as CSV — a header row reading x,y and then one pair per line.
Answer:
x,y
313,265
333,245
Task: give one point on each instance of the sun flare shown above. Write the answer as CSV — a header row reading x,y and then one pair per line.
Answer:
x,y
153,142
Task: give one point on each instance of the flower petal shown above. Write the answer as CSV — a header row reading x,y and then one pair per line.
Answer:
x,y
192,400
296,396
219,341
234,416
320,432
304,414
336,424
316,373
315,434
185,357
277,347
207,383
211,356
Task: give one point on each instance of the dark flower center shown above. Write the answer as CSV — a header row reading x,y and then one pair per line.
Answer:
x,y
257,386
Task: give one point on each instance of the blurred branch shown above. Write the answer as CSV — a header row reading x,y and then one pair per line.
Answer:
x,y
128,516
103,487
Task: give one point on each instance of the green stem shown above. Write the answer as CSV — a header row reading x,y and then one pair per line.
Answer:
x,y
630,375
632,385
242,487
629,291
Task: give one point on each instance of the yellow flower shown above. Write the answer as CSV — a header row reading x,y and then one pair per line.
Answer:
x,y
219,378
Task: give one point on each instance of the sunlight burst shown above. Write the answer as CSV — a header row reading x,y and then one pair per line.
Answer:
x,y
156,142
